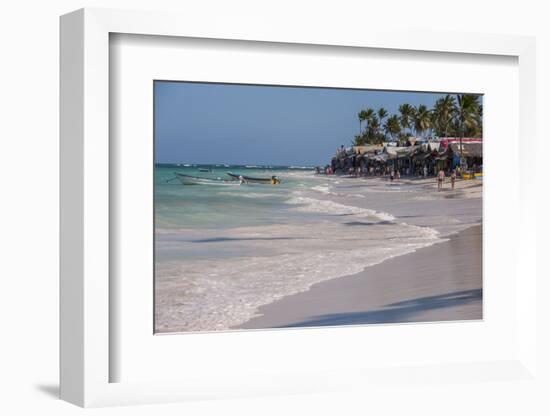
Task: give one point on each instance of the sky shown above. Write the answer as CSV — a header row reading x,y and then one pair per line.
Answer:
x,y
203,123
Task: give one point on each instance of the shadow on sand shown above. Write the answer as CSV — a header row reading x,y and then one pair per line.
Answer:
x,y
394,312
224,239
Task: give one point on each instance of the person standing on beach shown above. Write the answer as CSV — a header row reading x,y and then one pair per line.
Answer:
x,y
453,179
440,177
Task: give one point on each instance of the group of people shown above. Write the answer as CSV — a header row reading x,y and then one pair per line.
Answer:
x,y
360,166
441,178
341,151
396,175
327,170
385,170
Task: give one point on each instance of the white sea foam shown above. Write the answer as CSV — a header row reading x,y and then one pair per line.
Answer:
x,y
325,206
297,174
302,167
252,195
324,189
328,191
218,294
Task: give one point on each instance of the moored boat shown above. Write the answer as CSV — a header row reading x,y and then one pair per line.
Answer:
x,y
249,179
198,180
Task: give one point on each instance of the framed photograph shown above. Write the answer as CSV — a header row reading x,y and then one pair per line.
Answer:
x,y
259,212
266,213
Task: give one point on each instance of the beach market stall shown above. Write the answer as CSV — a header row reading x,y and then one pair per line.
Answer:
x,y
472,155
401,158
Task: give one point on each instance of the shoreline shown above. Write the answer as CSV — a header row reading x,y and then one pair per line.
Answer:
x,y
442,282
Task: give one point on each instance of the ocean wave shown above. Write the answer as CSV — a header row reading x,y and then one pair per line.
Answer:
x,y
325,206
302,167
298,173
328,190
324,189
252,195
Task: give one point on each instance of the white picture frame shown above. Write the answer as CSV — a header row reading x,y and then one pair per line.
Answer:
x,y
85,212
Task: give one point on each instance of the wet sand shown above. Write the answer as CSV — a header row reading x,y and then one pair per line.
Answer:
x,y
437,283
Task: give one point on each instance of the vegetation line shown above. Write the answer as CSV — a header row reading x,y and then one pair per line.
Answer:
x,y
451,116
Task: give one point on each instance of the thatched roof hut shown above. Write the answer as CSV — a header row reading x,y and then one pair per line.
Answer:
x,y
401,152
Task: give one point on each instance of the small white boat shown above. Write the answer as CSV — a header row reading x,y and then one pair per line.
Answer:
x,y
198,180
274,180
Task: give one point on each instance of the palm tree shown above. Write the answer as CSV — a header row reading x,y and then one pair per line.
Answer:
x,y
467,114
422,119
407,112
479,121
443,113
365,115
382,114
369,114
373,130
392,126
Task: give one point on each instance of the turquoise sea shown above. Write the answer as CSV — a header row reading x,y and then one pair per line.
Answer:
x,y
226,205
